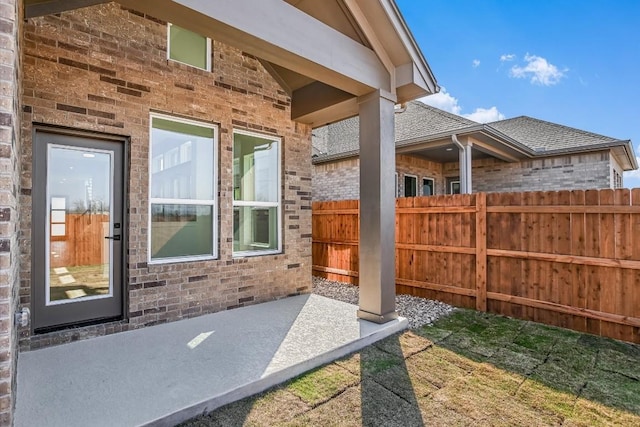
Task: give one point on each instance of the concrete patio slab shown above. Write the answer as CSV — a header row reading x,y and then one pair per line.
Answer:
x,y
165,374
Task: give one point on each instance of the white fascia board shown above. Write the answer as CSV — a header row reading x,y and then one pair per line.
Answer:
x,y
422,74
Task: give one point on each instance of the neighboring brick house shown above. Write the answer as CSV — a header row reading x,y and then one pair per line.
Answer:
x,y
155,155
519,154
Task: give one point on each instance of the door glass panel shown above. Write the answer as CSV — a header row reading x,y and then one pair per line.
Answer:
x,y
80,222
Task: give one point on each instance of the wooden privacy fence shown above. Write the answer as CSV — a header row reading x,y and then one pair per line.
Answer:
x,y
568,258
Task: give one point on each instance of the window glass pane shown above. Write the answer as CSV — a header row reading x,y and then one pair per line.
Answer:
x,y
188,47
255,228
181,230
427,187
255,168
181,160
410,186
455,187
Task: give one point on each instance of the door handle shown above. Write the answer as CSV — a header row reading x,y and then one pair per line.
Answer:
x,y
116,237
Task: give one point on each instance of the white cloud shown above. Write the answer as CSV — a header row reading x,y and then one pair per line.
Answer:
x,y
485,115
475,63
507,57
632,178
445,101
635,173
539,70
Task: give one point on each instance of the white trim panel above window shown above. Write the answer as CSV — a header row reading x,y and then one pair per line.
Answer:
x,y
183,189
188,48
257,217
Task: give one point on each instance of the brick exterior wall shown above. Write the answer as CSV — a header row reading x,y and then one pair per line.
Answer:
x,y
572,172
338,180
10,23
421,168
104,69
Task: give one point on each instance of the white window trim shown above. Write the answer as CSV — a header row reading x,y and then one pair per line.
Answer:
x,y
433,185
404,186
208,65
453,181
278,205
213,202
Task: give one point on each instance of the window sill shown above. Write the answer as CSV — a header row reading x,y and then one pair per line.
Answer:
x,y
178,260
248,254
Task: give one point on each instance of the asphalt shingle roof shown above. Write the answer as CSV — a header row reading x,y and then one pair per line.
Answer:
x,y
541,136
417,121
421,121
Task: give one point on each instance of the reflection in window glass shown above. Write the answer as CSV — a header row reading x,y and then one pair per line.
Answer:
x,y
181,161
181,230
255,228
80,193
428,187
256,194
182,189
410,186
455,187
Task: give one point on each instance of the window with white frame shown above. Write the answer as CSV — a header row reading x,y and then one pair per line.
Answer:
x,y
454,186
428,187
617,179
410,185
256,194
182,190
188,47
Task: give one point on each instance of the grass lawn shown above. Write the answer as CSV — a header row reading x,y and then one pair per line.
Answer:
x,y
469,368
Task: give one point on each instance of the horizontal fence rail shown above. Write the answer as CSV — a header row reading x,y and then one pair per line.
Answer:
x,y
567,258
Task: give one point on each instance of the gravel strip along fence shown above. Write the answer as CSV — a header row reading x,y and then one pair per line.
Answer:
x,y
418,311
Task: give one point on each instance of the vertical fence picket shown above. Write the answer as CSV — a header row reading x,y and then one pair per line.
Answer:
x,y
481,252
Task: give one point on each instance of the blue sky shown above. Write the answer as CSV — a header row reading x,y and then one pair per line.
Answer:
x,y
573,62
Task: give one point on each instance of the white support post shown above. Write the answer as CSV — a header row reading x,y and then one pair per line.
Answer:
x,y
377,208
468,167
465,163
462,164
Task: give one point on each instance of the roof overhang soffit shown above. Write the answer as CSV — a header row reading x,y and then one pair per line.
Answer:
x,y
292,41
313,54
482,137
